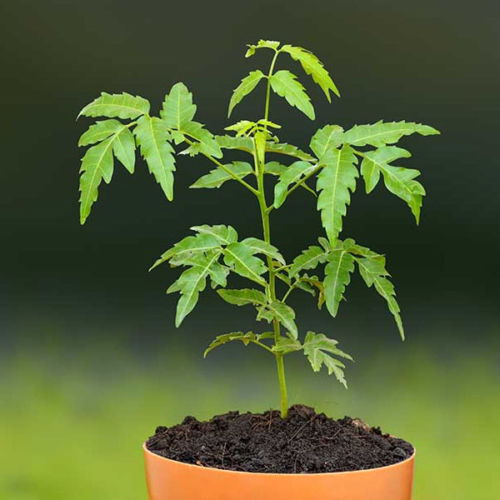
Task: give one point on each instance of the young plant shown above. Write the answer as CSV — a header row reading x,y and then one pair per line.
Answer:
x,y
329,172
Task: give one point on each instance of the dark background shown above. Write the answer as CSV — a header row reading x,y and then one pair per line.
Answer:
x,y
86,334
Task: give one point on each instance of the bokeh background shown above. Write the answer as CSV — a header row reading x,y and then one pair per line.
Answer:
x,y
90,361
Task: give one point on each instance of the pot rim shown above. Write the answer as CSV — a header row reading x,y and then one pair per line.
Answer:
x,y
271,474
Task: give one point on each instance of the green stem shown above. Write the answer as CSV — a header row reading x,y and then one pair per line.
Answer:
x,y
227,170
264,212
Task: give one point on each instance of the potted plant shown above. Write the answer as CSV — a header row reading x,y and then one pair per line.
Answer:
x,y
293,453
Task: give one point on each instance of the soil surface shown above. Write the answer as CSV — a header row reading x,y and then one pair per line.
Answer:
x,y
304,442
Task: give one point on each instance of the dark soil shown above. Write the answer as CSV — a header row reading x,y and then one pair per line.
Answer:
x,y
304,442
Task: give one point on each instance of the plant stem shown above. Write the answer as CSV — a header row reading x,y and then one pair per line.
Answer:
x,y
264,212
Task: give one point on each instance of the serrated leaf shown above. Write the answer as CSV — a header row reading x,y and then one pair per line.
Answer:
x,y
337,277
244,88
188,246
281,312
286,85
274,168
314,67
315,282
261,246
246,338
240,127
286,345
326,138
293,174
207,141
97,164
178,108
241,258
373,272
124,148
320,350
370,173
152,136
99,131
261,44
308,259
398,180
230,142
216,177
190,283
224,234
121,105
289,150
381,133
243,296
336,181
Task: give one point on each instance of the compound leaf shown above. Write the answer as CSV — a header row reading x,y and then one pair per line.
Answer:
x,y
99,131
208,144
231,142
336,181
286,85
289,150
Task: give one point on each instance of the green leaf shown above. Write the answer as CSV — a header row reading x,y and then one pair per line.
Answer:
x,y
246,338
216,177
97,164
117,106
224,234
337,277
380,133
281,312
208,144
398,180
289,150
261,246
314,67
315,282
274,168
293,174
99,131
230,142
261,44
188,246
373,272
241,258
286,345
152,136
243,296
241,127
190,283
244,88
308,259
320,350
124,148
335,181
178,108
285,84
326,138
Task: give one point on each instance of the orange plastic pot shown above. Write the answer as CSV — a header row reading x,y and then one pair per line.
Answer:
x,y
172,480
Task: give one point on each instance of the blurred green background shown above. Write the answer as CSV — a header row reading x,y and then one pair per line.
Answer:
x,y
90,362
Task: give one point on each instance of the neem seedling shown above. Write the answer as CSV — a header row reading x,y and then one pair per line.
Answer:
x,y
214,252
